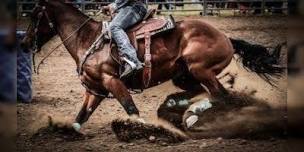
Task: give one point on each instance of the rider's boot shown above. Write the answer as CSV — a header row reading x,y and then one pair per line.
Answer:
x,y
130,67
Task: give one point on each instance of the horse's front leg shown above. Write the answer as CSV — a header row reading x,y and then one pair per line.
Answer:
x,y
120,92
90,103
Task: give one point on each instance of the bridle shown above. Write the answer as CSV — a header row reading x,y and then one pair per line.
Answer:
x,y
51,25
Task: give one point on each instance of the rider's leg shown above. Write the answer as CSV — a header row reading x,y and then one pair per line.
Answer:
x,y
126,18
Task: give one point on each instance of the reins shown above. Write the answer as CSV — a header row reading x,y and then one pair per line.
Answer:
x,y
36,70
53,50
63,41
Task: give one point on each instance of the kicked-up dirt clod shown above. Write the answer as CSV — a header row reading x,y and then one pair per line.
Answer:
x,y
131,129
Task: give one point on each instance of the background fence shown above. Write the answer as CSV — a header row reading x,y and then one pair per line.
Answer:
x,y
204,7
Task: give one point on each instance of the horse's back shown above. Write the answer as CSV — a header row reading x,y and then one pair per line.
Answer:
x,y
170,47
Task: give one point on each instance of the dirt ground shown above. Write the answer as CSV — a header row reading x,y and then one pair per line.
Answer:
x,y
58,93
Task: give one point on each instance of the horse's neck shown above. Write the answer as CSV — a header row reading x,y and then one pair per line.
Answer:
x,y
68,20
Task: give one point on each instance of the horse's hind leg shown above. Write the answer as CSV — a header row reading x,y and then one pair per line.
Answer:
x,y
175,105
209,81
90,103
212,85
216,89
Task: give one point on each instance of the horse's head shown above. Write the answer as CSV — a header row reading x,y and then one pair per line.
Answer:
x,y
41,28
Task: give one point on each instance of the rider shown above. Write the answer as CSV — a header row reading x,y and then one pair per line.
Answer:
x,y
129,12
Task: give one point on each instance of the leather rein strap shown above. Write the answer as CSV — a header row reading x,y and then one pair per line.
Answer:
x,y
148,65
52,27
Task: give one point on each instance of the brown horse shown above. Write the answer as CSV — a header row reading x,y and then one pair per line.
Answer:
x,y
191,55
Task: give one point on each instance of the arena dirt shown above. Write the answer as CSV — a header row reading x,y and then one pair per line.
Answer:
x,y
58,93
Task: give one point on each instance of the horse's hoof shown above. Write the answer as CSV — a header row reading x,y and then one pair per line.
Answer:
x,y
76,126
190,121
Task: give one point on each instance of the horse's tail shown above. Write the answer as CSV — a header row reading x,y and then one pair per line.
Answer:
x,y
257,58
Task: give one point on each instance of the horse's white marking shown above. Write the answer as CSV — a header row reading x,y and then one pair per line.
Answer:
x,y
171,103
180,103
141,120
137,118
76,126
197,108
200,106
184,102
190,121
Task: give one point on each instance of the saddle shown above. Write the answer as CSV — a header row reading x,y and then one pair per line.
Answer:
x,y
145,30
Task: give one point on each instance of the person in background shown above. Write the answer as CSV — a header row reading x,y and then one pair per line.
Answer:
x,y
8,89
8,54
160,6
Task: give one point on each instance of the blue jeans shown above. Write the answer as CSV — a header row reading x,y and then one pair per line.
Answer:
x,y
8,72
125,18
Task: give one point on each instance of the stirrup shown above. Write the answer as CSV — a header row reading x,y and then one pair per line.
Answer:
x,y
132,64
